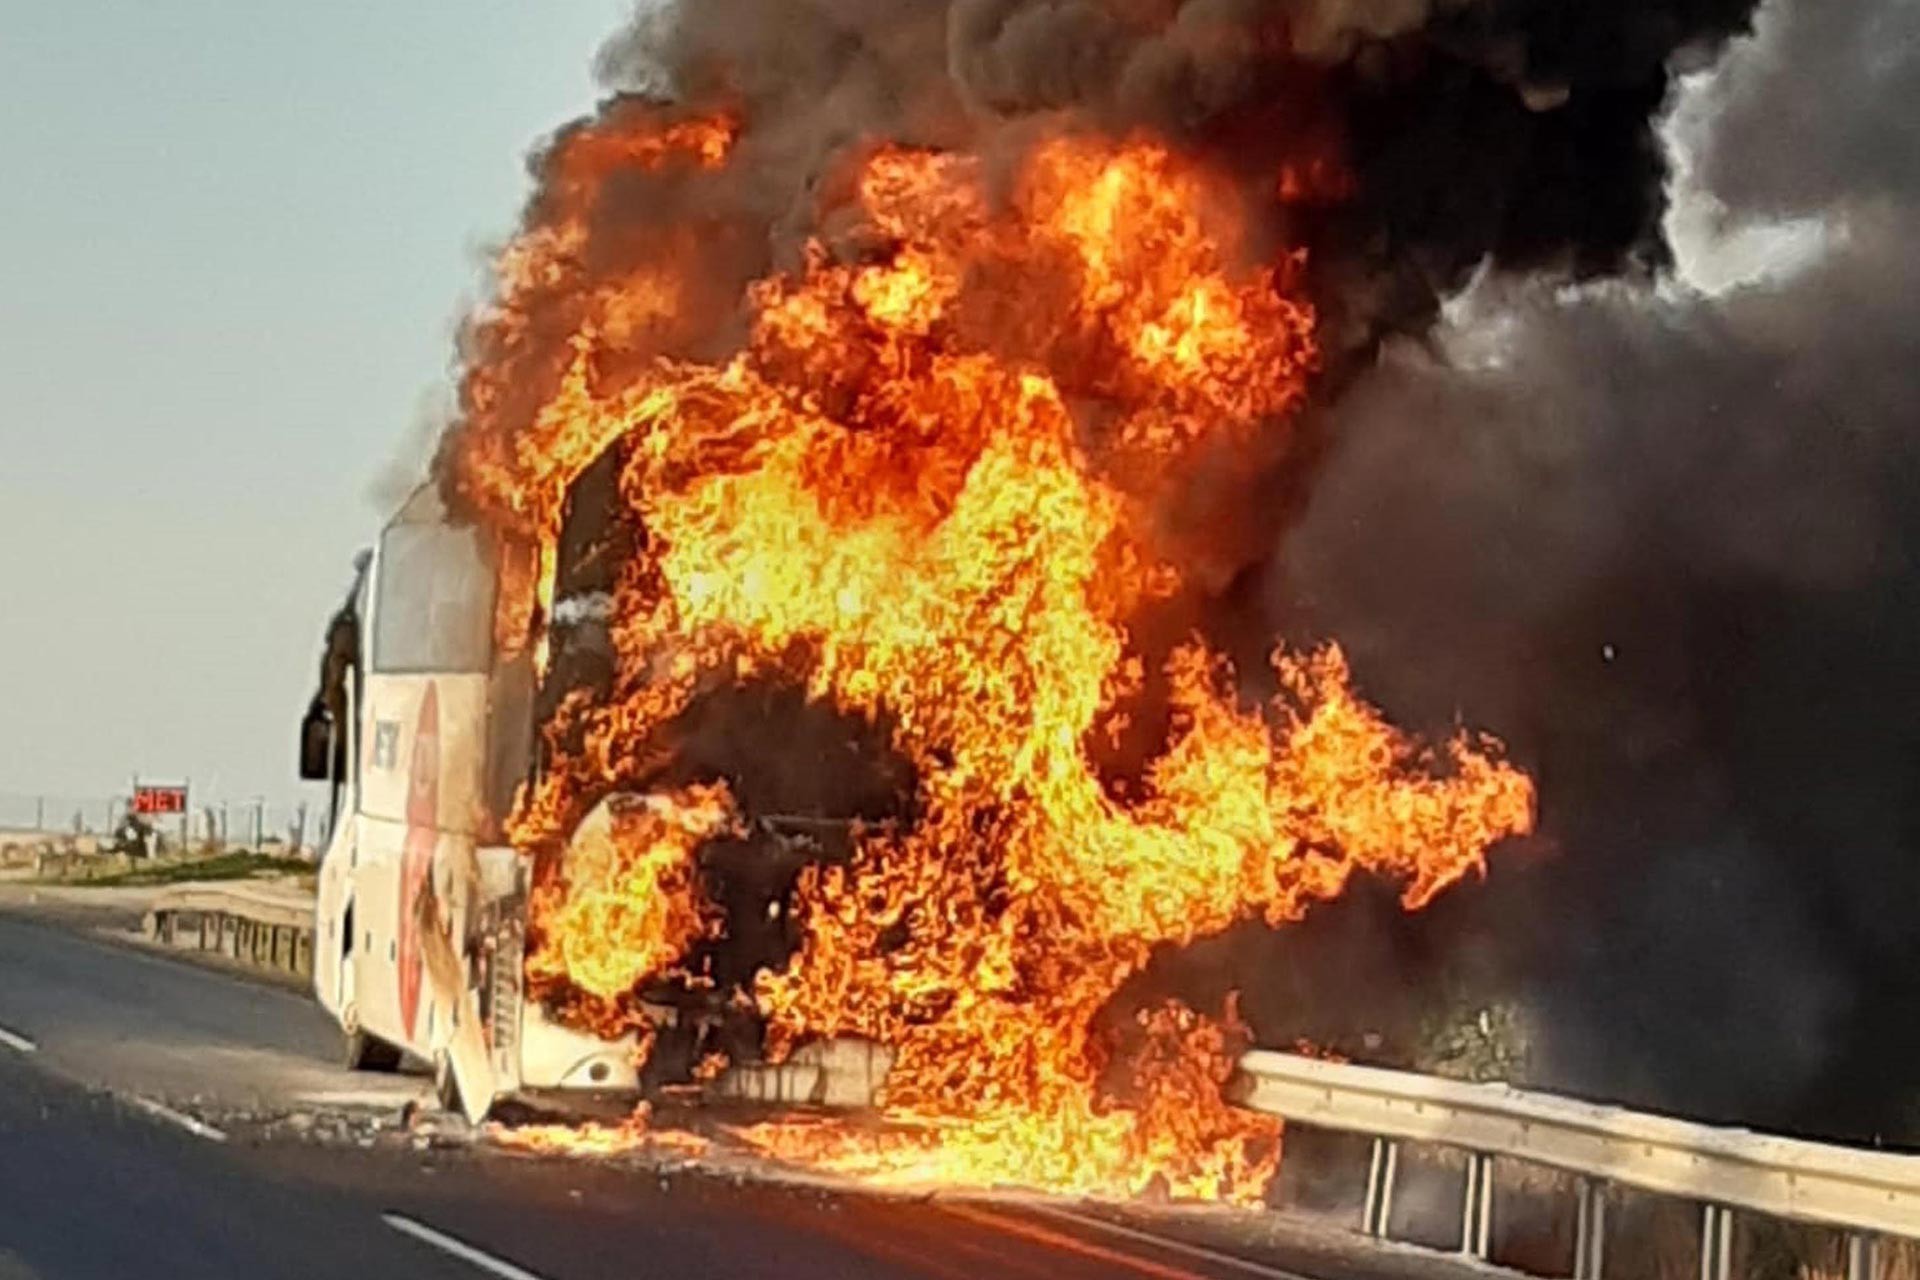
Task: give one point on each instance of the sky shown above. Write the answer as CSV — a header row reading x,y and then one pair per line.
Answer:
x,y
235,242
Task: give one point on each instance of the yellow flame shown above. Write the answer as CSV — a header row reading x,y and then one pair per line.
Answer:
x,y
936,485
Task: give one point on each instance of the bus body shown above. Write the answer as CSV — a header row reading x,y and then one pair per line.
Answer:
x,y
421,909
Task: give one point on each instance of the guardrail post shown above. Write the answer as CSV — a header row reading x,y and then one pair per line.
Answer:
x,y
1716,1243
1476,1209
1378,1210
1861,1260
1590,1230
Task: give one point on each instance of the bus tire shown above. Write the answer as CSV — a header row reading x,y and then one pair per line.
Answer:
x,y
369,1053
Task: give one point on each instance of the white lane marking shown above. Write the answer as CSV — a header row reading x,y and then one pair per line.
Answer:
x,y
1214,1256
457,1248
19,1044
162,1112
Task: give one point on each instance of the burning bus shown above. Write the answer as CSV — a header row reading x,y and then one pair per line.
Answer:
x,y
424,731
814,647
421,729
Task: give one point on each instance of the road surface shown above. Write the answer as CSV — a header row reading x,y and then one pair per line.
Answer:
x,y
118,1017
116,1066
92,1187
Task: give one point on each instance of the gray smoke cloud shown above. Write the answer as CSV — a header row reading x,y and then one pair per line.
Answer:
x,y
1662,535
1519,130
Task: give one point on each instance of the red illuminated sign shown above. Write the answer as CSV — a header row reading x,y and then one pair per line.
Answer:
x,y
153,801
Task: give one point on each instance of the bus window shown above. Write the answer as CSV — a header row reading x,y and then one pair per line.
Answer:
x,y
434,601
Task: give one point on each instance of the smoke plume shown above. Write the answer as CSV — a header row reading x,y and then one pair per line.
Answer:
x,y
1414,140
1661,536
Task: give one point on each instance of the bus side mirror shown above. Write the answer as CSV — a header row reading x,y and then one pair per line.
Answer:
x,y
316,745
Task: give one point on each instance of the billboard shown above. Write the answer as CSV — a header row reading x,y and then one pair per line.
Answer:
x,y
155,800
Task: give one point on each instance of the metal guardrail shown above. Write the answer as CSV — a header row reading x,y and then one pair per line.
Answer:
x,y
256,927
1864,1193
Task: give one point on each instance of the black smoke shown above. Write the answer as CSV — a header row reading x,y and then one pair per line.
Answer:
x,y
1665,539
1516,131
1416,141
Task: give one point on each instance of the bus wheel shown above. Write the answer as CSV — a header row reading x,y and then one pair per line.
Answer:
x,y
363,1052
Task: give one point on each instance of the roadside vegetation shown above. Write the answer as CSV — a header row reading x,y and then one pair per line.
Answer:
x,y
240,865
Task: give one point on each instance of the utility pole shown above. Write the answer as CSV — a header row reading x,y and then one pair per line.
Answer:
x,y
39,813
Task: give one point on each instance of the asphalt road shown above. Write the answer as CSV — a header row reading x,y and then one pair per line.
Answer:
x,y
91,1187
94,1182
120,1018
143,1133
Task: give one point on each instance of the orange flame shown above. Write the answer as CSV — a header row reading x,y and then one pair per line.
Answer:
x,y
593,1138
937,486
635,1133
624,902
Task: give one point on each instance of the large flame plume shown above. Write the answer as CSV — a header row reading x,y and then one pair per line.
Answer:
x,y
961,445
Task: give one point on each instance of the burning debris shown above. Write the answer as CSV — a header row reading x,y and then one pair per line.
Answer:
x,y
896,399
634,1134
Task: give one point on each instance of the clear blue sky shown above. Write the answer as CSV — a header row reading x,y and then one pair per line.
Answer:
x,y
235,237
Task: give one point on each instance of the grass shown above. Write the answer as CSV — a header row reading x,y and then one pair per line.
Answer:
x,y
224,866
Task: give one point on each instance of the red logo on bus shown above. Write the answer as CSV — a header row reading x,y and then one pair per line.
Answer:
x,y
416,859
